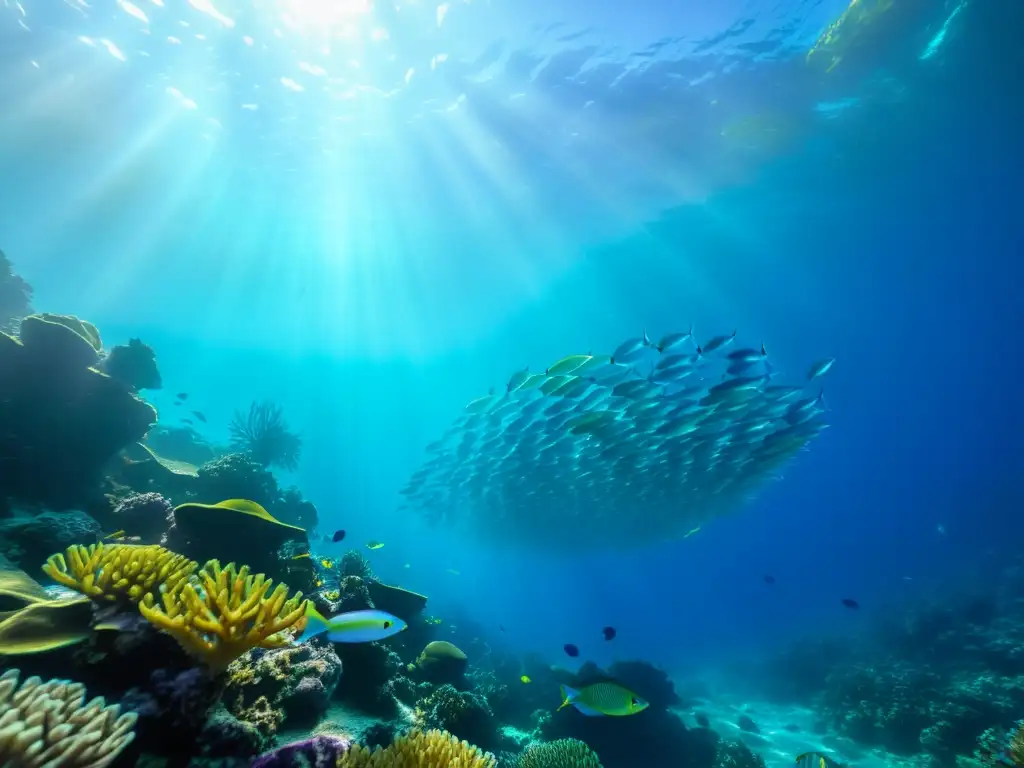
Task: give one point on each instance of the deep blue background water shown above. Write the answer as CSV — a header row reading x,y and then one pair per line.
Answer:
x,y
888,237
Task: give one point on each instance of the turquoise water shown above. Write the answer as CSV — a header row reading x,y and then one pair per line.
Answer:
x,y
373,213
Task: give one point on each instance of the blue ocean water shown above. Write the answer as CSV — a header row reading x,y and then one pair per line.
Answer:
x,y
371,214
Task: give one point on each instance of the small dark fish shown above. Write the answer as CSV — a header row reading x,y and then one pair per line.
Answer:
x,y
199,416
701,719
187,421
850,603
571,650
182,395
338,535
177,402
609,633
768,578
501,627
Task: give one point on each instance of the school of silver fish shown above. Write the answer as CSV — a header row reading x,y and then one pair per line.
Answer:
x,y
620,450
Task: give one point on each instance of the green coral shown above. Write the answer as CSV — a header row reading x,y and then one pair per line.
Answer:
x,y
563,753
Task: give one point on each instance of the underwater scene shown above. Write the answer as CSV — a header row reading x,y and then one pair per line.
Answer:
x,y
491,384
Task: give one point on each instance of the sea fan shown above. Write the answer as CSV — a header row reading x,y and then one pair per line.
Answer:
x,y
265,436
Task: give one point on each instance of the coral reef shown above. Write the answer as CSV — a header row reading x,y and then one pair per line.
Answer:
x,y
28,537
734,754
564,753
419,749
465,714
62,419
134,365
316,752
264,435
297,681
235,476
49,723
183,444
15,296
228,616
146,515
119,571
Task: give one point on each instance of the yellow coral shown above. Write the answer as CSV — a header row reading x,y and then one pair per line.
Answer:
x,y
419,749
227,614
49,724
117,571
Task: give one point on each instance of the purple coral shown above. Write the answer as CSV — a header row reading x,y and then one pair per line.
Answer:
x,y
315,752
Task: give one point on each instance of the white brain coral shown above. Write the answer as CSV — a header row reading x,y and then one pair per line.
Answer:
x,y
49,725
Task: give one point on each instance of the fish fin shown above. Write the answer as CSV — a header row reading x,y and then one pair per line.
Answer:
x,y
583,709
316,624
647,341
568,694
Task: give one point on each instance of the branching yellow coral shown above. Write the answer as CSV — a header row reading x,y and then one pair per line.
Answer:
x,y
226,614
119,571
419,749
45,724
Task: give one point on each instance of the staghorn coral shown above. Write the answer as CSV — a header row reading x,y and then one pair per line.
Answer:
x,y
563,753
265,436
49,724
227,614
419,749
119,571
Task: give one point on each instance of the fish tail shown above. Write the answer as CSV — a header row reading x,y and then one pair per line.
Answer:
x,y
315,624
568,694
647,341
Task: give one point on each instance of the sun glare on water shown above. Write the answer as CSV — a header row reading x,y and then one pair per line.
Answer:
x,y
323,18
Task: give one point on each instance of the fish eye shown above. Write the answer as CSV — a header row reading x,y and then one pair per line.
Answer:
x,y
387,625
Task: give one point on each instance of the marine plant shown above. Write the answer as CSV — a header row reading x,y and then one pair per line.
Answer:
x,y
226,614
265,436
563,753
33,622
48,723
419,749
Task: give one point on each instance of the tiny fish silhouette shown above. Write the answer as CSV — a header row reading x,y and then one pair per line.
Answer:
x,y
187,421
338,535
609,633
768,578
850,603
199,416
182,395
177,402
571,650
